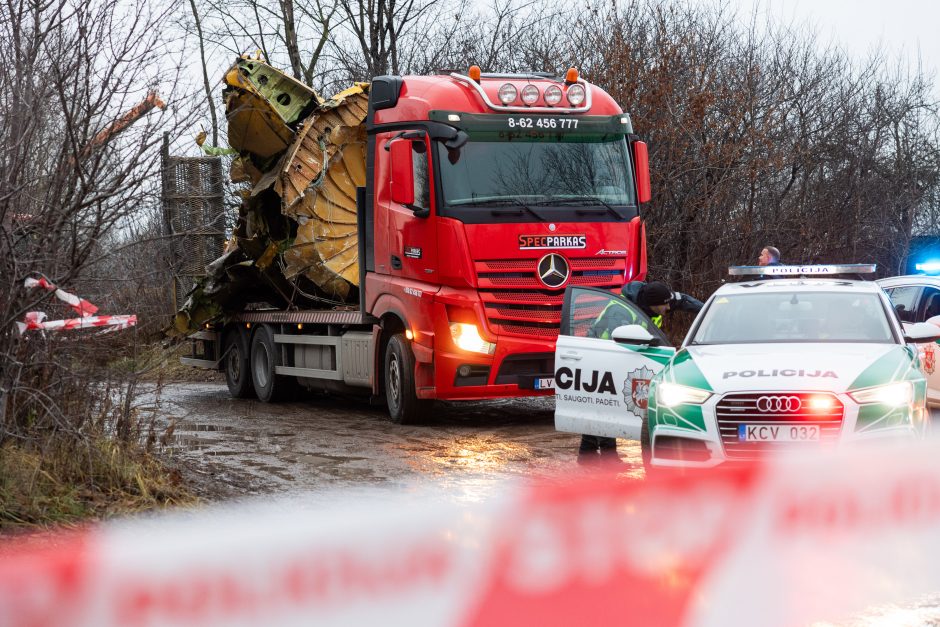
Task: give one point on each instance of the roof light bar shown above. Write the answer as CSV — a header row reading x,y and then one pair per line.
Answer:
x,y
845,268
584,108
930,267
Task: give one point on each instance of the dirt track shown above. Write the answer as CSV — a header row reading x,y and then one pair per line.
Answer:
x,y
229,447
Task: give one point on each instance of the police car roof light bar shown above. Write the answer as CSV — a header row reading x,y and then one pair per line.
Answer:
x,y
820,270
928,267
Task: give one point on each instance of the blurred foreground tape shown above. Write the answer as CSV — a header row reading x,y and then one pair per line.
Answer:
x,y
802,540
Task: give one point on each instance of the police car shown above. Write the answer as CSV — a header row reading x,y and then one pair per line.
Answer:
x,y
916,298
768,366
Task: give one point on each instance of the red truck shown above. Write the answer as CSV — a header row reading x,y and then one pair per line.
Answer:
x,y
486,196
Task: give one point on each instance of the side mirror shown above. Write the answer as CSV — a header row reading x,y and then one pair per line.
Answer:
x,y
635,334
641,166
403,175
921,333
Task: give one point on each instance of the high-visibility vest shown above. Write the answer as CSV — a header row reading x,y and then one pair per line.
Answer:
x,y
633,319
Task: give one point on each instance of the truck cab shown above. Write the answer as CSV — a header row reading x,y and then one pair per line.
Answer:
x,y
486,196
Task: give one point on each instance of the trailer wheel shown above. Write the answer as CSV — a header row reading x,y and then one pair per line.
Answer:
x,y
269,386
404,406
236,364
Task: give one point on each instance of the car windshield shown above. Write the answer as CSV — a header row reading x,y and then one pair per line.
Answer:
x,y
540,172
789,316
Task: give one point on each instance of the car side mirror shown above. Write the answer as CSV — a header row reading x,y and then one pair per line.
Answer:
x,y
921,333
636,335
403,175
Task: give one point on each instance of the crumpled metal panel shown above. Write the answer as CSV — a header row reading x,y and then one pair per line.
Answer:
x,y
317,183
261,105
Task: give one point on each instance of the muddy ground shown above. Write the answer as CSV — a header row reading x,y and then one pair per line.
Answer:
x,y
228,448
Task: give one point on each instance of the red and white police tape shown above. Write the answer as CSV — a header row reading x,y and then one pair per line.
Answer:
x,y
796,541
36,320
81,306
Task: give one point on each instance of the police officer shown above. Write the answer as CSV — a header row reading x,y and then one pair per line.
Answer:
x,y
769,256
654,299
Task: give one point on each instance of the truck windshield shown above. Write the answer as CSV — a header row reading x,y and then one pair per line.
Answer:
x,y
784,316
549,171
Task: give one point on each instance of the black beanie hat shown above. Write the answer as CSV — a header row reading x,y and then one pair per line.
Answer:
x,y
654,293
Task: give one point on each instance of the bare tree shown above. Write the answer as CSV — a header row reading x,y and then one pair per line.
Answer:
x,y
207,84
80,129
288,33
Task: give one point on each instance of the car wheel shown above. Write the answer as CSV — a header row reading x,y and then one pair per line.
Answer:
x,y
235,363
269,386
404,406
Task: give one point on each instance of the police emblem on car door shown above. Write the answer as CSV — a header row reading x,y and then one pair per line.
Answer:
x,y
606,354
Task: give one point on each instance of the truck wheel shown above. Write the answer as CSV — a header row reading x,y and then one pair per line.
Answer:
x,y
404,406
268,385
235,362
646,445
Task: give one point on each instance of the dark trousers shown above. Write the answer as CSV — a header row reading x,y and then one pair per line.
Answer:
x,y
593,443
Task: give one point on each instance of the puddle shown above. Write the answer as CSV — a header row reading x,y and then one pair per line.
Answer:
x,y
192,426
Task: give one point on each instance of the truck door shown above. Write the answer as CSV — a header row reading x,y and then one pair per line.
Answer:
x,y
601,385
412,238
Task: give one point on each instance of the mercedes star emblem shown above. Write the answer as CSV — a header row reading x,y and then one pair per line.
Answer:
x,y
553,270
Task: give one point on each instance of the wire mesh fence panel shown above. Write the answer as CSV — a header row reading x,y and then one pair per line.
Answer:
x,y
194,212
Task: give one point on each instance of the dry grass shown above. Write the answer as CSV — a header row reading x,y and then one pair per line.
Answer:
x,y
160,363
67,482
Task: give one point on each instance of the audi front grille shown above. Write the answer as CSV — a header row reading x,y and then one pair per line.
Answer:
x,y
775,409
517,302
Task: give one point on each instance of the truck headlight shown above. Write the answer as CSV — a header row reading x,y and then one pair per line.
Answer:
x,y
507,93
576,95
672,394
467,337
552,95
893,394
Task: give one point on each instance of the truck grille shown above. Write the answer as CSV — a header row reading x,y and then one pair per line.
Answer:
x,y
737,409
518,303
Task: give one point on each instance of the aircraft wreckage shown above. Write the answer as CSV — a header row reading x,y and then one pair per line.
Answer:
x,y
301,157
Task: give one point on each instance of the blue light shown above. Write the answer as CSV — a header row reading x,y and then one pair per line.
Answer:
x,y
929,267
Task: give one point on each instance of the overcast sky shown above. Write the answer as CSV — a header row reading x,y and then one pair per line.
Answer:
x,y
903,27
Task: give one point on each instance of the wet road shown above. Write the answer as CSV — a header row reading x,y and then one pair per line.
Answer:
x,y
235,447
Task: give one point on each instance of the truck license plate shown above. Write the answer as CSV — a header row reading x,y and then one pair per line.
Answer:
x,y
778,433
545,383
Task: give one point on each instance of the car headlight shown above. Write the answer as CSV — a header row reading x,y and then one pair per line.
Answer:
x,y
672,394
467,337
893,394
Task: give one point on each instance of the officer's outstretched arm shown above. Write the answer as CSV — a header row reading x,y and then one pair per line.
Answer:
x,y
684,302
